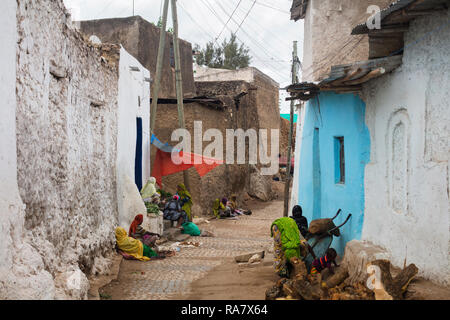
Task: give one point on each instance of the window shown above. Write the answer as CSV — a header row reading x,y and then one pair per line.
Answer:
x,y
339,155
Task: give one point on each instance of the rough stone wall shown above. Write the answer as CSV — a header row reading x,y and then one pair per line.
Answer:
x,y
22,273
407,179
225,179
284,137
328,39
66,141
141,39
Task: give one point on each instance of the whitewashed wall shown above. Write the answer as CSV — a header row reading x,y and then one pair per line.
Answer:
x,y
298,149
133,88
407,179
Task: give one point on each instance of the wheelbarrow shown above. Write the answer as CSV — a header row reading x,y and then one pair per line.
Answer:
x,y
321,242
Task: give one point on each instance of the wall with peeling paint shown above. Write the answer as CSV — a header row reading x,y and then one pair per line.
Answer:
x,y
407,179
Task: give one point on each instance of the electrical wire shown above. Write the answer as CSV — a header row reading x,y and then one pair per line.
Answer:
x,y
231,16
250,10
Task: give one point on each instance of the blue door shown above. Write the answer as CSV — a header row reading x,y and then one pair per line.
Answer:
x,y
138,161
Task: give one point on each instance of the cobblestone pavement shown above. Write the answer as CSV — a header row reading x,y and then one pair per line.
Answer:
x,y
163,279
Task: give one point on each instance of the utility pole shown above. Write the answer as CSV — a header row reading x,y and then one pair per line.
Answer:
x,y
179,79
133,8
291,132
159,67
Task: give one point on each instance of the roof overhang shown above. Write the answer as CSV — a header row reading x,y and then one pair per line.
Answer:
x,y
388,40
345,78
298,9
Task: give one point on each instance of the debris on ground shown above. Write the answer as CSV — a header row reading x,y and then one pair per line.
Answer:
x,y
246,257
304,286
190,244
199,221
255,258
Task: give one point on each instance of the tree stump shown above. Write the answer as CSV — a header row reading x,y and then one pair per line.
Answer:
x,y
385,286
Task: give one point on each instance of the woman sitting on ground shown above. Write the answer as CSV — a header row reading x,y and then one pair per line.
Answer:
x,y
139,233
149,192
131,248
232,204
220,210
287,245
185,200
174,212
192,229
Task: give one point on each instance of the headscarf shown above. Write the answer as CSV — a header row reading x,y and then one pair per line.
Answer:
x,y
233,201
290,236
176,197
302,222
149,189
137,221
131,246
184,194
217,207
224,201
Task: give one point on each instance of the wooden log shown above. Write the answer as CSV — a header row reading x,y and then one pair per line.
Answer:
x,y
371,75
387,287
273,293
337,278
299,271
289,290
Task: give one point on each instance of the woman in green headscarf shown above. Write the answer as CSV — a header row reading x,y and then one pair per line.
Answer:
x,y
287,244
218,208
185,200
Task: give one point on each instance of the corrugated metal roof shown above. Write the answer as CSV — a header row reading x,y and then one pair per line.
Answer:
x,y
412,9
346,78
298,9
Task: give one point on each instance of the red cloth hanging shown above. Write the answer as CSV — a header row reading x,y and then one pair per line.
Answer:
x,y
164,165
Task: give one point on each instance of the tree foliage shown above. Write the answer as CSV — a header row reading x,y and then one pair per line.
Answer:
x,y
229,55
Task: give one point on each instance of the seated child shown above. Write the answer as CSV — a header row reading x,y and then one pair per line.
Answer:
x,y
320,264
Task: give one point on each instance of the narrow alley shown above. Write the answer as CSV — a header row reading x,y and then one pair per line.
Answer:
x,y
183,276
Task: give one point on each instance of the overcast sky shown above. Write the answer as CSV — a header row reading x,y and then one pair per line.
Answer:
x,y
267,30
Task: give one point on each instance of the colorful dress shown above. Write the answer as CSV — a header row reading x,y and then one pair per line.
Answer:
x,y
133,247
287,244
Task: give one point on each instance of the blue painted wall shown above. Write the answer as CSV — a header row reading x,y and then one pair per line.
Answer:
x,y
329,116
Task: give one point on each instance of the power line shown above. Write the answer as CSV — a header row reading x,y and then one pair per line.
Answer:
x,y
251,8
267,53
271,7
275,70
273,34
259,27
231,16
193,20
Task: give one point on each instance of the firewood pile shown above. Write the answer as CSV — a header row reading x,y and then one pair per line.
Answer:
x,y
381,285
